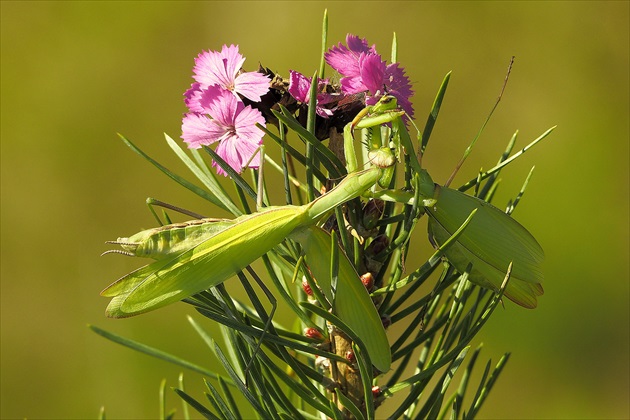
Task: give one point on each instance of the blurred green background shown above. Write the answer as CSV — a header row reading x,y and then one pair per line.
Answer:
x,y
75,73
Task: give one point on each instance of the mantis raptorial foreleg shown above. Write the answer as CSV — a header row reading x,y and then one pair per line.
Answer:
x,y
491,242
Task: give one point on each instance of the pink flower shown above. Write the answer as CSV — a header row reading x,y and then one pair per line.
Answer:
x,y
365,71
346,59
299,88
224,69
231,123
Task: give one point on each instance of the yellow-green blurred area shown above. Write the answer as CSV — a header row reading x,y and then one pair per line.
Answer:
x,y
75,73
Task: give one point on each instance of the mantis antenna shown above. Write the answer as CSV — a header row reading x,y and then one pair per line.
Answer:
x,y
483,126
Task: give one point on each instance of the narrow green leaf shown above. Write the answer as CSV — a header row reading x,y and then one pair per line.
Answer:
x,y
196,405
221,199
405,141
486,389
186,414
142,348
229,398
348,404
269,260
322,60
513,205
240,385
255,332
394,58
162,399
435,110
233,175
295,154
305,390
279,396
328,159
310,127
181,181
222,407
506,162
494,178
445,382
428,372
367,372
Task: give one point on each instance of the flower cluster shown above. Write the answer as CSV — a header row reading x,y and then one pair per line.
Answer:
x,y
217,112
363,71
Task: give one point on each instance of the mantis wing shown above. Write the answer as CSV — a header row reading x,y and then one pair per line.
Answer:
x,y
351,302
190,262
210,263
490,242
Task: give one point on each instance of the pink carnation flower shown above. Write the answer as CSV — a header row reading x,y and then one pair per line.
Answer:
x,y
365,71
299,88
230,123
224,69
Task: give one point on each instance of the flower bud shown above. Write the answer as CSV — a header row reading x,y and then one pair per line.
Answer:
x,y
307,287
313,333
368,281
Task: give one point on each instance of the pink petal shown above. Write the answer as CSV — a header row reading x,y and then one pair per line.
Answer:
x,y
192,98
342,60
345,59
252,85
218,68
246,151
233,60
220,104
352,85
372,72
299,85
399,86
359,45
245,125
209,70
198,130
229,153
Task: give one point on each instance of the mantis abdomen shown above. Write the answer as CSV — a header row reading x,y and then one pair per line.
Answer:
x,y
164,241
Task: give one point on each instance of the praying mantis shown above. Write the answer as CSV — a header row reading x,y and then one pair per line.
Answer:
x,y
197,255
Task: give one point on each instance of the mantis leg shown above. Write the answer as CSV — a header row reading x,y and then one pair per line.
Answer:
x,y
155,202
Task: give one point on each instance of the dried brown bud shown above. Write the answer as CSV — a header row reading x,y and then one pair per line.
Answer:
x,y
386,320
372,212
377,245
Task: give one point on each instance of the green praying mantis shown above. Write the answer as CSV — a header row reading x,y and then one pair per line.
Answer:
x,y
194,256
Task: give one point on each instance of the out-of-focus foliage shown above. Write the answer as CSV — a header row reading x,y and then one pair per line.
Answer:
x,y
74,73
